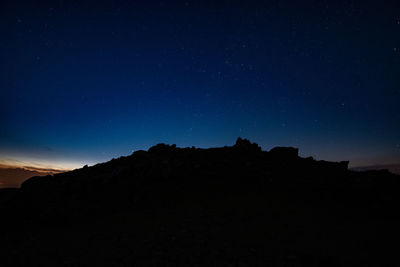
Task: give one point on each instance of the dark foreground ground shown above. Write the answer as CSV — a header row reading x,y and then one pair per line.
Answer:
x,y
234,206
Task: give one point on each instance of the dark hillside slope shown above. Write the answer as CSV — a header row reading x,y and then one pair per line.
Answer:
x,y
229,206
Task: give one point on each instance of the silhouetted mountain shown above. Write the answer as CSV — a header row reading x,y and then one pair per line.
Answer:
x,y
13,177
228,206
394,168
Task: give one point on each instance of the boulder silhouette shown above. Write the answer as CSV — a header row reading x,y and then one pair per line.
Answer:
x,y
246,145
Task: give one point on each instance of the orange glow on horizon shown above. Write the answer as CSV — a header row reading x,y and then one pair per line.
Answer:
x,y
39,165
13,172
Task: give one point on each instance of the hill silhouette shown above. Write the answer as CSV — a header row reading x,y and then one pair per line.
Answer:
x,y
13,177
228,206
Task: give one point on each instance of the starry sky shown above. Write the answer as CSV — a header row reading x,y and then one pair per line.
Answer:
x,y
83,82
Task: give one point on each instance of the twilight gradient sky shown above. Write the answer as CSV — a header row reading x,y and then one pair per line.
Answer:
x,y
83,82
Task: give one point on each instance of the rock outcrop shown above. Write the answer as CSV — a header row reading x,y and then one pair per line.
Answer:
x,y
228,206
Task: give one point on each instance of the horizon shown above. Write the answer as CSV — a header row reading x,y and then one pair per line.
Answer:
x,y
40,170
59,165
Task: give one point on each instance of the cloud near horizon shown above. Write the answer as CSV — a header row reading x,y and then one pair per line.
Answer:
x,y
13,176
45,170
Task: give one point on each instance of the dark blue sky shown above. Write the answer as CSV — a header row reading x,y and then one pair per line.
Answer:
x,y
83,82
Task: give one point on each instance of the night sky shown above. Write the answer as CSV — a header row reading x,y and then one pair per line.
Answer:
x,y
84,82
